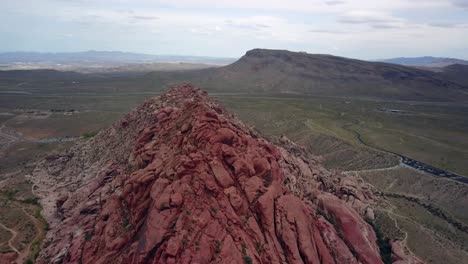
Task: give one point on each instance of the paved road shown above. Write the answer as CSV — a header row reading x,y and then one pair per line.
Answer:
x,y
432,170
418,165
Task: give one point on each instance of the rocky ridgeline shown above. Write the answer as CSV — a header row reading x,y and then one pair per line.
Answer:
x,y
179,180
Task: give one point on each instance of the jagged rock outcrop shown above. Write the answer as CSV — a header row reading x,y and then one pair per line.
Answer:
x,y
180,180
401,254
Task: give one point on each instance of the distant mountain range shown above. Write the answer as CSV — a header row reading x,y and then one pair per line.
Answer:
x,y
426,61
104,57
273,72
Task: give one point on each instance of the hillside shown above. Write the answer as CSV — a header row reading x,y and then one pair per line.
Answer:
x,y
457,73
426,61
285,72
269,72
180,180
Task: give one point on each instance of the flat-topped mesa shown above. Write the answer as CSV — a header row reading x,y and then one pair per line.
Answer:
x,y
199,187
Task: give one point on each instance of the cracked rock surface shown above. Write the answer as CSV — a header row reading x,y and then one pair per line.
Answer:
x,y
180,180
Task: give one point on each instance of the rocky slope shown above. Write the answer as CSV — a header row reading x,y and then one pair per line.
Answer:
x,y
180,180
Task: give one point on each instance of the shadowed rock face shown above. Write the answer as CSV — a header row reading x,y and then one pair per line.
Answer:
x,y
189,183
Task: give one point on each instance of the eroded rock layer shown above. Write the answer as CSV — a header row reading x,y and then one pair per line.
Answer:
x,y
179,180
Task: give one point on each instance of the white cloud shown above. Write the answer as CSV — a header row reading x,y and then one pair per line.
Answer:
x,y
315,6
142,17
356,28
461,3
365,17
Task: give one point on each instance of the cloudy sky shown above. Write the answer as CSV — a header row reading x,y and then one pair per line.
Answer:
x,y
366,29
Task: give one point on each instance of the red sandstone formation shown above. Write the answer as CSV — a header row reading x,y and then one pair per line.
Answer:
x,y
179,180
8,258
401,255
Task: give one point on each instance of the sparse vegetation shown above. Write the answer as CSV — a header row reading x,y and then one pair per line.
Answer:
x,y
174,222
328,218
260,247
412,218
217,246
88,236
247,258
317,124
34,201
432,209
184,241
442,242
89,135
246,219
10,194
383,242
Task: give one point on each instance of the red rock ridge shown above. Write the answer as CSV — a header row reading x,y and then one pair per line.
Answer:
x,y
200,187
